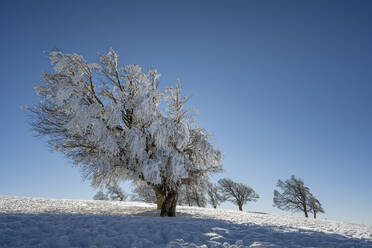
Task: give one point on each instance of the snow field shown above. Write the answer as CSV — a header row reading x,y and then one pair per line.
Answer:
x,y
37,222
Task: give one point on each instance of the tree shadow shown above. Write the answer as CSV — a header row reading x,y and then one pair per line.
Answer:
x,y
147,229
156,214
254,212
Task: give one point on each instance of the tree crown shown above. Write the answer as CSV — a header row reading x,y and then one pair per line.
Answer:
x,y
107,120
237,192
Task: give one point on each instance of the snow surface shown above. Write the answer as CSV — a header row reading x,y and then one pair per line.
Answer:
x,y
37,222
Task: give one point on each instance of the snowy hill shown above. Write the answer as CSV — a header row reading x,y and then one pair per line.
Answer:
x,y
37,222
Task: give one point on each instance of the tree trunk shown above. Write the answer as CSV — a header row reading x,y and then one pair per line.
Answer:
x,y
314,214
159,197
240,207
169,205
159,201
305,211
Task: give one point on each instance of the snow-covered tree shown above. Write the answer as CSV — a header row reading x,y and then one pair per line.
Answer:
x,y
215,197
116,193
295,196
237,193
107,120
143,192
193,195
100,196
315,206
147,193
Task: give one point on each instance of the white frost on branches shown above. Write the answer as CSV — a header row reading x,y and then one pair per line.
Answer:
x,y
107,120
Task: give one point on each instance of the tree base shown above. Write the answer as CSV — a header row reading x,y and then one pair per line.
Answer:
x,y
168,209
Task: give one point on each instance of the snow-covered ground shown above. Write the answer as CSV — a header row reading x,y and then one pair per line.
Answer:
x,y
37,222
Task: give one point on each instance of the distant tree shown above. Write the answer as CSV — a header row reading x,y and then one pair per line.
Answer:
x,y
108,120
215,197
116,193
100,196
193,195
315,206
184,197
237,193
143,192
295,196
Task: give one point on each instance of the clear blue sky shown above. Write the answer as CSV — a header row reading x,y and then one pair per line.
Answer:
x,y
284,87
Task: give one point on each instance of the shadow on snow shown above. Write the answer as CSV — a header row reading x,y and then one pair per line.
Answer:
x,y
147,230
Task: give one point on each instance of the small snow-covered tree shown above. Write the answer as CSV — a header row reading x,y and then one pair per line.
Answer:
x,y
143,192
237,193
215,197
193,195
107,120
315,206
116,193
295,196
100,196
147,193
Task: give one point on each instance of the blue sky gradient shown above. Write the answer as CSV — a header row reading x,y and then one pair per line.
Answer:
x,y
283,86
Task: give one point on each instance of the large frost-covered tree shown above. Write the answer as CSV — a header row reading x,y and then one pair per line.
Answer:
x,y
295,196
237,193
107,120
